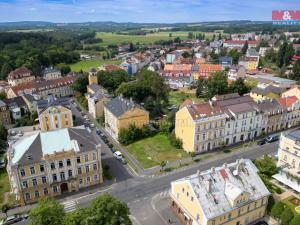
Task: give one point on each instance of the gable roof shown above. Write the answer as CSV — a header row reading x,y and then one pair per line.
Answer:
x,y
288,101
19,73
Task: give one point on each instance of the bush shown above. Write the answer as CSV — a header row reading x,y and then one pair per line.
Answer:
x,y
133,133
176,142
271,203
277,210
295,221
286,216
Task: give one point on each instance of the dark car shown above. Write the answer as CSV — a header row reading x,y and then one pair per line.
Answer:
x,y
105,140
261,142
110,145
261,223
113,149
123,161
13,219
272,138
98,131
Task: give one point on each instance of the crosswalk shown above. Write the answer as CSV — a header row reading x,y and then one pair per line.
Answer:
x,y
69,206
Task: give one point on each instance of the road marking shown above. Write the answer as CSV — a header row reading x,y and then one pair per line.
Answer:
x,y
69,206
155,198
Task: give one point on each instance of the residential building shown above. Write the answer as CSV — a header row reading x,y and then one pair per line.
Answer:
x,y
121,113
16,106
54,114
51,73
235,72
294,91
292,107
284,83
225,61
109,68
253,43
177,75
4,114
224,120
97,98
265,92
206,70
234,44
289,159
250,63
93,76
232,194
53,163
60,87
20,76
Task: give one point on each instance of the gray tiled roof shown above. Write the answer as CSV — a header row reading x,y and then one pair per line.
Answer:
x,y
118,106
267,90
2,103
43,104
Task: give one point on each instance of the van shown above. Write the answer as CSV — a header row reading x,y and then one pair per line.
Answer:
x,y
118,155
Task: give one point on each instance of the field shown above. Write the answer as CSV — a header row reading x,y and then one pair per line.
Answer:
x,y
153,150
4,184
177,97
86,64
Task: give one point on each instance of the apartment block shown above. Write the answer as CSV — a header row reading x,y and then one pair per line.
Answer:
x,y
232,194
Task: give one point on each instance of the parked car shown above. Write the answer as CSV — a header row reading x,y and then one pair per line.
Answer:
x,y
261,223
105,140
261,142
113,150
24,216
272,138
110,145
98,131
12,219
92,125
20,134
118,155
123,161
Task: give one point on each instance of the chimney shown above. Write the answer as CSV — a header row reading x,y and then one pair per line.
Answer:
x,y
213,170
209,185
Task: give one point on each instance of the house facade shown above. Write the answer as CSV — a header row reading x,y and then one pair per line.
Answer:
x,y
52,163
20,76
4,114
51,73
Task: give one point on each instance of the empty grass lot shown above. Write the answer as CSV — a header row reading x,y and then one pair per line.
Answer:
x,y
86,64
177,97
152,151
4,184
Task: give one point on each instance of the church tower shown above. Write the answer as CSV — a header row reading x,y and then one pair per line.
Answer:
x,y
93,76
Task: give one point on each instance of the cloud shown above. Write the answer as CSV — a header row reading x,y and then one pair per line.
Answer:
x,y
165,11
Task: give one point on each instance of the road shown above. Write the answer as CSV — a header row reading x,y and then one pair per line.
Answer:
x,y
138,192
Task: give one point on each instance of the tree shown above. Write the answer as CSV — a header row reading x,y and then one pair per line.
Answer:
x,y
277,210
296,71
80,84
190,35
239,86
131,47
48,211
186,54
286,216
3,95
295,221
217,84
64,69
3,137
220,36
192,154
170,35
5,208
163,164
5,69
266,166
245,48
285,54
201,87
177,40
77,217
234,54
112,80
107,210
271,203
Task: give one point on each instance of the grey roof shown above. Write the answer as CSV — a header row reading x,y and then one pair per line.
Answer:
x,y
118,106
2,103
29,97
94,87
215,188
51,70
34,153
270,106
252,52
92,69
267,90
233,101
44,104
15,102
241,108
295,135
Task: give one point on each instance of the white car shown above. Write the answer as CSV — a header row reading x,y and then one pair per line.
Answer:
x,y
118,155
92,125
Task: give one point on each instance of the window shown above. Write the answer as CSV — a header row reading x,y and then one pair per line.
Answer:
x,y
60,164
22,173
88,179
44,180
182,190
80,181
95,177
42,168
68,162
229,216
192,198
27,196
62,176
78,159
67,123
45,191
52,166
37,194
32,170
25,185
87,169
95,166
94,156
187,194
34,182
54,177
86,157
255,204
79,170
70,173
54,189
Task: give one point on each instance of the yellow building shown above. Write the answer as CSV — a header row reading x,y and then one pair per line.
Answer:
x,y
121,113
265,92
232,194
289,159
93,76
20,76
54,114
52,163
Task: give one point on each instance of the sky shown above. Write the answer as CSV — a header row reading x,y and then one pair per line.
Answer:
x,y
157,11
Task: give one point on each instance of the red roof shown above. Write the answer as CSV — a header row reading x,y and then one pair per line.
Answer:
x,y
19,73
288,101
235,42
224,174
251,42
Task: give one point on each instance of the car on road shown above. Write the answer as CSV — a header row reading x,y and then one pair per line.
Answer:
x,y
113,149
12,219
98,131
272,138
261,223
261,142
123,160
92,125
118,155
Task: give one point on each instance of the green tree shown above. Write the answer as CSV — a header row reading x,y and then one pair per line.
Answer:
x,y
190,35
3,137
5,208
217,84
163,164
201,87
5,69
177,40
271,203
77,217
295,220
170,35
80,84
3,95
266,166
286,216
64,68
245,48
277,210
239,86
234,54
112,80
48,211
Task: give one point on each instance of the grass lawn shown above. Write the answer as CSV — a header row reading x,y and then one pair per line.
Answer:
x,y
4,184
151,151
86,64
177,97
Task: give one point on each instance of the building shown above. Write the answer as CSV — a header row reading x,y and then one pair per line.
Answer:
x,y
294,91
232,194
250,63
224,120
97,98
206,70
53,163
264,78
93,76
121,113
20,76
4,114
16,106
235,72
289,160
234,44
109,68
292,107
60,87
51,73
54,114
265,92
225,61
